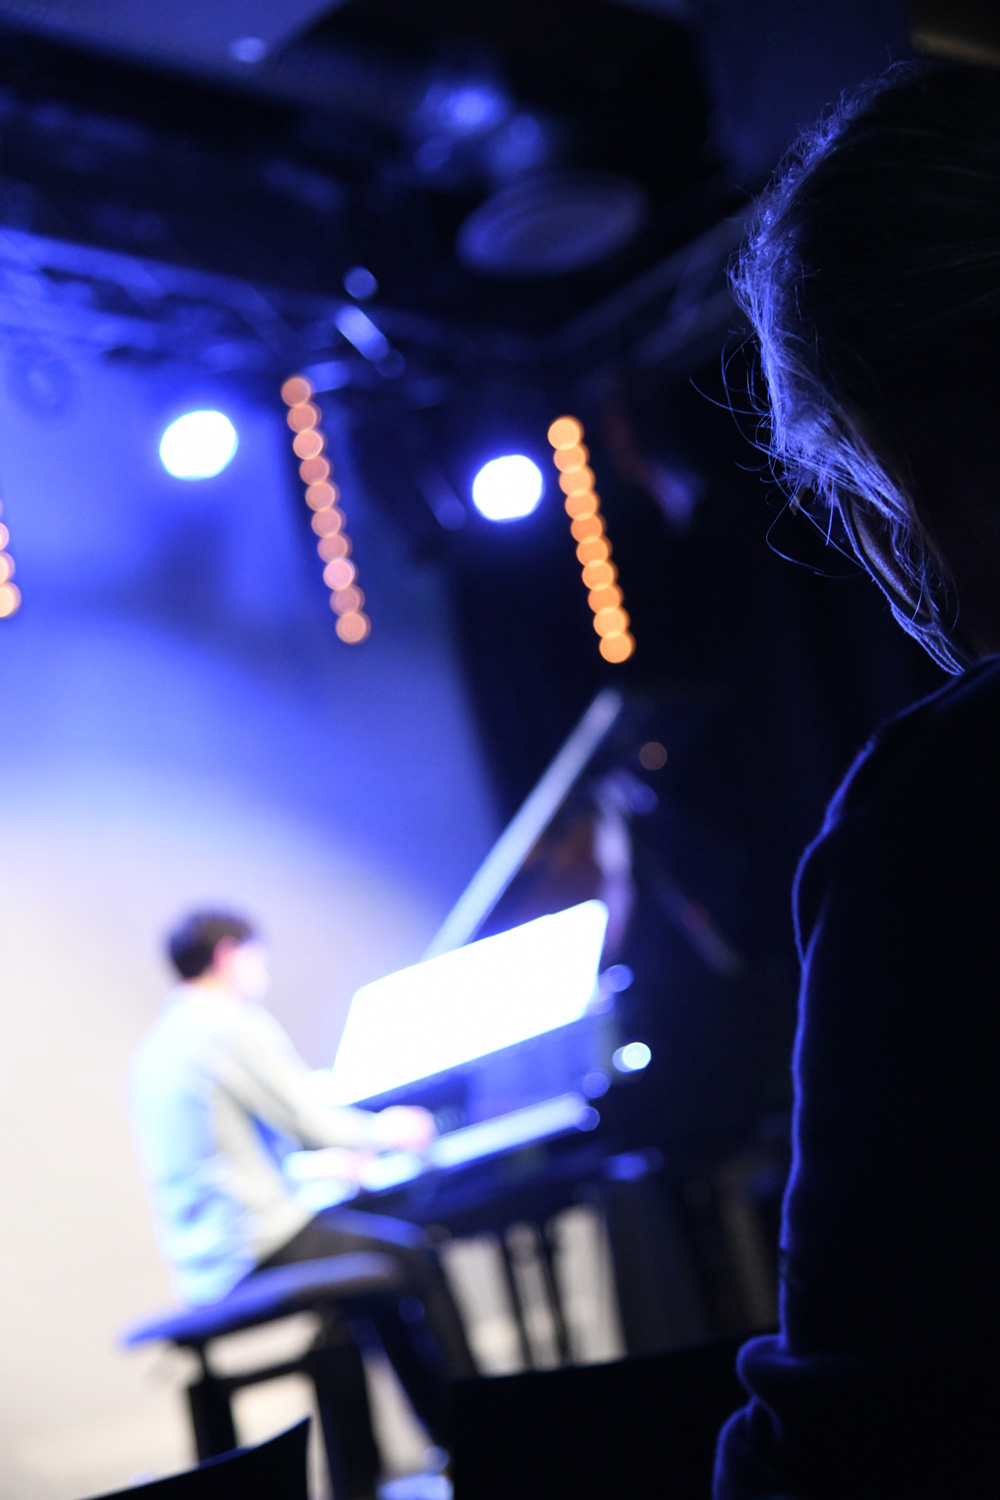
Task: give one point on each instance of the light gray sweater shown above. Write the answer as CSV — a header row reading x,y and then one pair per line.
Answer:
x,y
218,1096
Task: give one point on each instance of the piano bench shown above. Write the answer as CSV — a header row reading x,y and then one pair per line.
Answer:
x,y
341,1283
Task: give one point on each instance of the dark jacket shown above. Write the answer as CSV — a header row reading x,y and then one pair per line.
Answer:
x,y
883,1380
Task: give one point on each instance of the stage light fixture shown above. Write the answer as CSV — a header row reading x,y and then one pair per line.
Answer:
x,y
593,549
507,488
198,445
10,594
322,497
358,282
359,330
632,1058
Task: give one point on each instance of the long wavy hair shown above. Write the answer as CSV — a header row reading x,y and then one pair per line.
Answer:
x,y
871,278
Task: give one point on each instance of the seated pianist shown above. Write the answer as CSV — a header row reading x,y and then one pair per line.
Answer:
x,y
218,1096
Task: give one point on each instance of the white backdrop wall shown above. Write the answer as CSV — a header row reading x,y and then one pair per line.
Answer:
x,y
179,724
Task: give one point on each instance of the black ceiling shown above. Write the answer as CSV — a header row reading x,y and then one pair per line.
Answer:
x,y
352,143
324,156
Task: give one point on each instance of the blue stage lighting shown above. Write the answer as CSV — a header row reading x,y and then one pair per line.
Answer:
x,y
507,488
198,445
632,1058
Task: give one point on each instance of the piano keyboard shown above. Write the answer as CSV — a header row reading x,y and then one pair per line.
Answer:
x,y
470,1143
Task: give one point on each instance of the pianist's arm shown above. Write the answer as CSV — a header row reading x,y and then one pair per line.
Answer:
x,y
262,1070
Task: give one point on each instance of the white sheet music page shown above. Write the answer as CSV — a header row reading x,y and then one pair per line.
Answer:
x,y
465,1004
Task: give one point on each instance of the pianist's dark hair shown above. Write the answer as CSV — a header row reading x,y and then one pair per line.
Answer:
x,y
872,281
193,942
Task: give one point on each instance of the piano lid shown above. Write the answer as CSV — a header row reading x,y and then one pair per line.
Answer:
x,y
522,835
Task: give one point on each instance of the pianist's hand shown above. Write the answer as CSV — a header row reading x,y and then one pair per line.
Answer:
x,y
403,1128
332,1161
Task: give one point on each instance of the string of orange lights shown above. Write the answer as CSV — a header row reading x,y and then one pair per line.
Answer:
x,y
10,594
593,547
322,496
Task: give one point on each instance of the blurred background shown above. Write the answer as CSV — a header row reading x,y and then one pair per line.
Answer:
x,y
457,223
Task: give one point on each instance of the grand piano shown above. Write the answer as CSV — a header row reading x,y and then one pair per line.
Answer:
x,y
537,1112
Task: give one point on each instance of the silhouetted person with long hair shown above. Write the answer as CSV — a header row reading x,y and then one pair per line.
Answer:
x,y
872,280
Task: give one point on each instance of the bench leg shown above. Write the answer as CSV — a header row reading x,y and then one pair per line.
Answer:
x,y
211,1416
336,1369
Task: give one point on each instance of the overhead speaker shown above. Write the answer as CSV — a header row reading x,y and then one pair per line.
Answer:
x,y
551,224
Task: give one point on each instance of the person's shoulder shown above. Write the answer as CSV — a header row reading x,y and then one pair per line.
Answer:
x,y
927,780
155,1049
953,733
258,1022
188,1016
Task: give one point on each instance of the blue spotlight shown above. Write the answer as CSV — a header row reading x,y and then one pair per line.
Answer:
x,y
198,445
507,488
632,1058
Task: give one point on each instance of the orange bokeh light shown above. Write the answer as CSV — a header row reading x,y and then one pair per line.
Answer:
x,y
314,470
565,432
301,418
582,505
10,599
353,627
567,459
6,567
347,601
295,390
4,535
653,756
611,622
330,546
617,647
586,526
308,444
606,598
597,575
339,573
594,549
577,481
334,546
326,522
321,496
